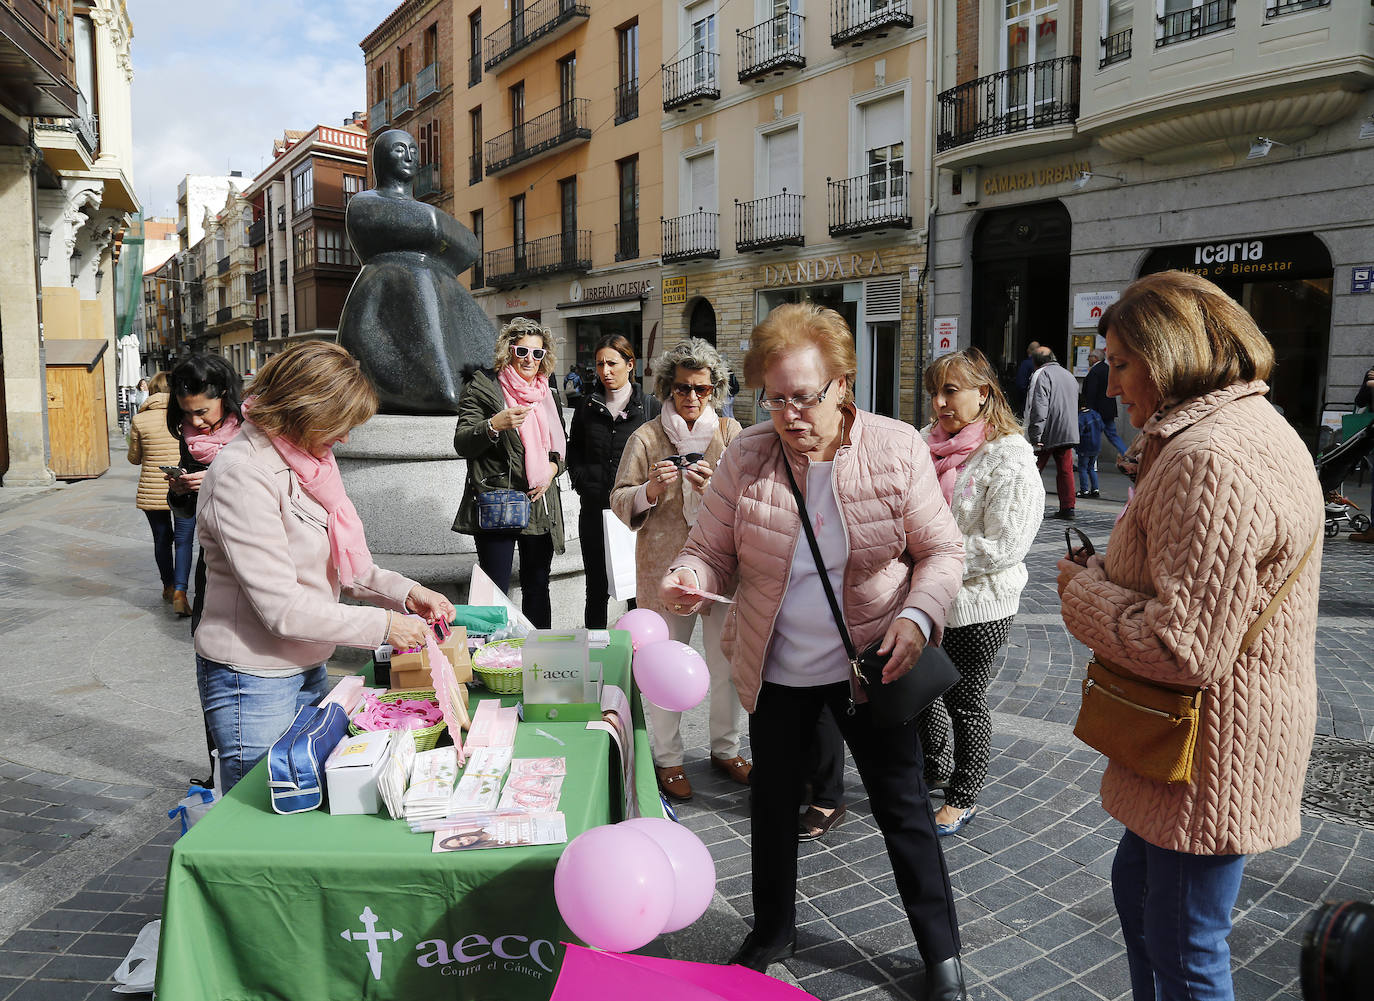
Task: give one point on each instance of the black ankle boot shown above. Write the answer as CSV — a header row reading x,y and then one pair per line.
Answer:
x,y
945,981
755,956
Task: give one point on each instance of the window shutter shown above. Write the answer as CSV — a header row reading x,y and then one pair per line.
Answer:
x,y
883,298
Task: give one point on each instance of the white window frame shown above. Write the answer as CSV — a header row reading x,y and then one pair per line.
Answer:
x,y
761,134
685,176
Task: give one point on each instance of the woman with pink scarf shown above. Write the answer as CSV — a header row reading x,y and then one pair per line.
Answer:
x,y
282,542
510,430
989,479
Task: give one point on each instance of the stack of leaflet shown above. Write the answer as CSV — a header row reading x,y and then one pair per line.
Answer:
x,y
480,787
431,784
395,775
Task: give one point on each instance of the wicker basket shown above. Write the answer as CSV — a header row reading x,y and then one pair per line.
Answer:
x,y
499,680
426,738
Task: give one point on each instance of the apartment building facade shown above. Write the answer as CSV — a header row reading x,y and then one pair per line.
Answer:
x,y
794,148
1080,145
226,282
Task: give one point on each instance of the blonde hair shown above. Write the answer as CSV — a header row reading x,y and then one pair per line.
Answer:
x,y
1193,338
970,369
795,326
158,384
523,326
310,393
694,354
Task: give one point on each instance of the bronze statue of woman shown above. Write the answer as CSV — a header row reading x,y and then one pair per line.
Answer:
x,y
406,319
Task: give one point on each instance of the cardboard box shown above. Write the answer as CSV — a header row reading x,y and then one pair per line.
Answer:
x,y
351,772
455,648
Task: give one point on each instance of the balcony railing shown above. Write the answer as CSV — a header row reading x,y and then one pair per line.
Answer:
x,y
474,169
400,101
260,282
550,255
691,80
1195,22
427,180
257,233
771,221
222,265
426,83
478,273
627,240
285,325
281,268
377,118
1282,7
771,47
690,237
878,200
565,124
626,101
262,328
474,69
1015,100
87,129
854,21
541,21
1115,48
224,314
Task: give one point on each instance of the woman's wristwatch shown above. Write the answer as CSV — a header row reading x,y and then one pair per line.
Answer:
x,y
492,433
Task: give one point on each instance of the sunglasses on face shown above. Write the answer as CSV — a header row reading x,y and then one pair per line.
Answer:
x,y
683,461
685,389
523,351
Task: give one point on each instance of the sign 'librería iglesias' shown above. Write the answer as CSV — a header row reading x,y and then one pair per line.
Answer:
x,y
823,269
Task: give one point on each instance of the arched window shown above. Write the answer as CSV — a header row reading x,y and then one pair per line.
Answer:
x,y
703,321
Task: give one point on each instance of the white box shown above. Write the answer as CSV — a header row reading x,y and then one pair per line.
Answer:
x,y
351,772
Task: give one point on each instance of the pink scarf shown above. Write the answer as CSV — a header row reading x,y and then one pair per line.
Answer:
x,y
320,479
205,445
951,452
542,432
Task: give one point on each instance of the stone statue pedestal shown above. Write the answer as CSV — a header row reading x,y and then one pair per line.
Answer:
x,y
406,481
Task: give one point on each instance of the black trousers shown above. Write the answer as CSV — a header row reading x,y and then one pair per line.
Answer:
x,y
825,763
781,731
496,553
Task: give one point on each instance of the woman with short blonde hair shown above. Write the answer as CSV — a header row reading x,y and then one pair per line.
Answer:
x,y
797,326
315,391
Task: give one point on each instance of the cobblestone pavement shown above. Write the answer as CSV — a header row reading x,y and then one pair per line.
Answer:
x,y
99,745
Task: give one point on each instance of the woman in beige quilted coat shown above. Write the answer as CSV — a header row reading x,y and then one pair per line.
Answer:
x,y
1226,508
152,446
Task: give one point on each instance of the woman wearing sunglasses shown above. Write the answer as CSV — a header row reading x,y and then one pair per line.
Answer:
x,y
663,476
510,430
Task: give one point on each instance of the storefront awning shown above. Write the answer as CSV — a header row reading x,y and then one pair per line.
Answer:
x,y
572,310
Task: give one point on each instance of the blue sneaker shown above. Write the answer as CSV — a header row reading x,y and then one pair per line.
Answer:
x,y
945,830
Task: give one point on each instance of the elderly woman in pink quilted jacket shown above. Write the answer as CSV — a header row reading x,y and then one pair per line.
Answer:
x,y
1226,509
894,558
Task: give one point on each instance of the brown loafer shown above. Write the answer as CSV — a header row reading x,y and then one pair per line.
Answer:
x,y
737,768
673,781
814,824
180,605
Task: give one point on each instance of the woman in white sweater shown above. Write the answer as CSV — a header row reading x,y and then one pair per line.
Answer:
x,y
989,479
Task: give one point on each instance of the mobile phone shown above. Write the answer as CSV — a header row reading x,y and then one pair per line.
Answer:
x,y
1084,550
173,471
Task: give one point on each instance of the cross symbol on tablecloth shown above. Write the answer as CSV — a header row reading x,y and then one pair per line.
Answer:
x,y
371,936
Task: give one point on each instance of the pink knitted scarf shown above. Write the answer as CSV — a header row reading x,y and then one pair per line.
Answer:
x,y
952,451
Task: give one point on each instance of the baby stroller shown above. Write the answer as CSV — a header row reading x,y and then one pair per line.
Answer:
x,y
1333,466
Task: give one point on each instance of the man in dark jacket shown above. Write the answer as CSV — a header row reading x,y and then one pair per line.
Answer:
x,y
1052,424
1095,393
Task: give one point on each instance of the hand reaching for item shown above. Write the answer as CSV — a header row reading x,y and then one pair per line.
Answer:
x,y
407,632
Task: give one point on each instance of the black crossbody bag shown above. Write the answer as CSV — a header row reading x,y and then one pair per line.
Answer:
x,y
893,704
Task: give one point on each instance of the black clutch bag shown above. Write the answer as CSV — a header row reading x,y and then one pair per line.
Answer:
x,y
901,701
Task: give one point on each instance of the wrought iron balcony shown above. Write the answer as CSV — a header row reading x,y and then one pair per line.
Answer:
x,y
257,233
771,47
627,240
281,268
400,101
427,180
690,237
540,22
691,81
1195,22
538,137
1035,96
87,129
878,200
377,118
1283,7
260,282
426,83
563,252
626,101
853,22
223,314
771,221
474,70
474,169
1115,48
222,265
262,328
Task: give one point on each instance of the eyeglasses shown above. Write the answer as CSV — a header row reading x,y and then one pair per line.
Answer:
x,y
686,389
806,402
683,461
524,351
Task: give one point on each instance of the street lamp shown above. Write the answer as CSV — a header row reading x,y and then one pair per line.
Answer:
x,y
1084,176
1260,148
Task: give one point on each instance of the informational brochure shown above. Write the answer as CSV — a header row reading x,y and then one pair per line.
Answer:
x,y
504,832
534,785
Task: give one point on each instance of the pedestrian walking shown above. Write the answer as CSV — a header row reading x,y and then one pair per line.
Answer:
x,y
1024,371
663,476
282,541
1226,518
890,551
1095,391
139,395
510,430
1052,424
602,424
1090,429
152,446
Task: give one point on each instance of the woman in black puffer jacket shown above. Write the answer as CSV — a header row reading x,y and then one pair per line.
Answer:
x,y
611,410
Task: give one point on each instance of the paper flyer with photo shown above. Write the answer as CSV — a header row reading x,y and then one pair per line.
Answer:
x,y
503,832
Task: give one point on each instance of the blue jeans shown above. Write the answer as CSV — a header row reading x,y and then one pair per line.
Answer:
x,y
184,541
1087,470
1175,912
1109,432
245,714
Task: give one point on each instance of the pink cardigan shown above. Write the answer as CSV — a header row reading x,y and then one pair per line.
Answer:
x,y
1226,503
905,549
271,596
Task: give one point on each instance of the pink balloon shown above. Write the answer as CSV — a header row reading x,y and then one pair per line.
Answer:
x,y
614,887
644,626
671,675
694,871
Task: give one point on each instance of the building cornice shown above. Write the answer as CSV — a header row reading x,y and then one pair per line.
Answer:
x,y
395,22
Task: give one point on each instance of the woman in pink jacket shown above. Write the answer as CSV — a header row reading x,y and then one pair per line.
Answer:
x,y
281,541
1226,509
893,556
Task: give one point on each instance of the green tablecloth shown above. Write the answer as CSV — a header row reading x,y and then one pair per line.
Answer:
x,y
348,908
